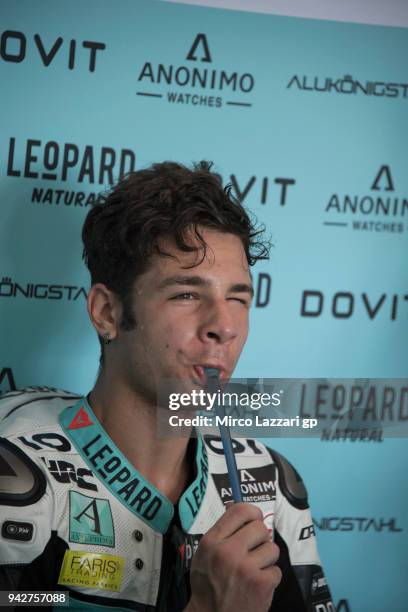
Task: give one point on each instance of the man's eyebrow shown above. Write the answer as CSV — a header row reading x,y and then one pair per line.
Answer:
x,y
242,288
199,281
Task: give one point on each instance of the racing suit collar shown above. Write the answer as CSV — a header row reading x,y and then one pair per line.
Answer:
x,y
122,479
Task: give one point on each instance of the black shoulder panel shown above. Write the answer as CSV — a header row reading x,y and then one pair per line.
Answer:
x,y
290,482
21,481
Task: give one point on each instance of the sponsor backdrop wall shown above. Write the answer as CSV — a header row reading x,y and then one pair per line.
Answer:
x,y
308,120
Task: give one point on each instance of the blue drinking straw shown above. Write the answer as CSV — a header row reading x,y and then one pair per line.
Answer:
x,y
213,383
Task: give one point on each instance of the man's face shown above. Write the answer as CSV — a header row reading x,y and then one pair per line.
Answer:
x,y
188,318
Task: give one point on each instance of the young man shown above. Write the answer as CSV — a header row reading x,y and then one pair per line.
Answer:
x,y
93,502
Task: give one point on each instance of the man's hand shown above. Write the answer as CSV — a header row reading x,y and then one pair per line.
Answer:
x,y
234,567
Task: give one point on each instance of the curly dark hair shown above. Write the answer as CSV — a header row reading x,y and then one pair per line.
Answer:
x,y
123,230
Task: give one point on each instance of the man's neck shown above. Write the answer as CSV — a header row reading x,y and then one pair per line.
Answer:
x,y
131,422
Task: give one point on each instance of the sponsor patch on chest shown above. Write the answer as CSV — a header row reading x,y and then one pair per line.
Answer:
x,y
90,520
91,570
258,484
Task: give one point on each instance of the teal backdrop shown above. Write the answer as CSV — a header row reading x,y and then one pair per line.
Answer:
x,y
308,121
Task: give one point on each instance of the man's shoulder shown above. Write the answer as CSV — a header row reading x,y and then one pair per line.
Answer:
x,y
290,481
33,408
28,422
30,441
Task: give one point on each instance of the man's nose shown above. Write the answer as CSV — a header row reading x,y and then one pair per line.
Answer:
x,y
219,325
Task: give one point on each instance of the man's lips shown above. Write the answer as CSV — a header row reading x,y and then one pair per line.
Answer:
x,y
199,370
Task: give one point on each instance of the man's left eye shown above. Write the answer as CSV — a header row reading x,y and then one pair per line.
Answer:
x,y
241,301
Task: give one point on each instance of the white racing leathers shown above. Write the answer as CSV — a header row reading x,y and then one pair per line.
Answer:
x,y
76,516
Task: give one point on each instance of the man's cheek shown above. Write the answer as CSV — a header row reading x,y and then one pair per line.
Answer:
x,y
243,328
242,338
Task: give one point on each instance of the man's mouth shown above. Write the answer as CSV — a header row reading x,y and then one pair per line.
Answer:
x,y
199,370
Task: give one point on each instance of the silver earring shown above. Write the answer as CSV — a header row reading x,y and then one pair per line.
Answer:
x,y
106,338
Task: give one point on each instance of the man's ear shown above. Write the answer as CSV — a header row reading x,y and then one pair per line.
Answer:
x,y
104,310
